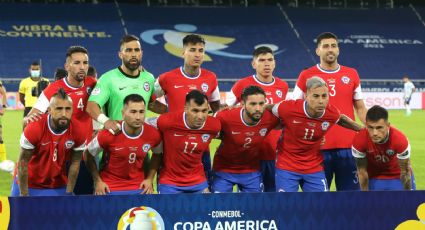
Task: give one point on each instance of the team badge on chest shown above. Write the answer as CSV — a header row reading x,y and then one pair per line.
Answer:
x,y
69,144
146,87
279,93
204,87
390,152
325,126
205,137
146,147
345,79
263,132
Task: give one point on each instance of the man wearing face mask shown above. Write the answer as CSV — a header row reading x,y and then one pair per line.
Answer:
x,y
28,87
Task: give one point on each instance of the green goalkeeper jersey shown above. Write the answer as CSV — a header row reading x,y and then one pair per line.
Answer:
x,y
114,85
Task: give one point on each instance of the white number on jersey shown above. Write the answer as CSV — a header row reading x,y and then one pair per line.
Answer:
x,y
132,158
269,100
382,158
80,104
55,154
248,141
308,136
332,91
186,144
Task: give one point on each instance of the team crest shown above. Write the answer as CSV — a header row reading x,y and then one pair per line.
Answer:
x,y
345,80
96,91
89,89
147,87
390,152
146,147
204,87
279,93
325,126
69,144
205,137
263,132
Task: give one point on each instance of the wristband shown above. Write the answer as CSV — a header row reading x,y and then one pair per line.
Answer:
x,y
102,118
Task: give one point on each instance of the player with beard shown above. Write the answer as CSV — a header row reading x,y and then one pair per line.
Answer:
x,y
345,93
114,85
78,86
125,152
243,130
47,146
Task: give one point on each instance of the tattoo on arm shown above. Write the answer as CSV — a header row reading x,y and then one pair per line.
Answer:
x,y
24,158
346,122
405,175
91,165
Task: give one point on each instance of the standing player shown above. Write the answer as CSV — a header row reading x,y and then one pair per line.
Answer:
x,y
114,85
28,87
78,86
125,152
382,154
409,88
5,165
47,146
176,83
188,134
299,161
276,89
345,93
243,131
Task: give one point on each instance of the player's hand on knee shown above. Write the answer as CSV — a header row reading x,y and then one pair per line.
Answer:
x,y
146,186
101,188
112,126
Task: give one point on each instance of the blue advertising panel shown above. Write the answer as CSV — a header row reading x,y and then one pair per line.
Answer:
x,y
331,210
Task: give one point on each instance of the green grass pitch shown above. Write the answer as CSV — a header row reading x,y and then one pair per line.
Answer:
x,y
413,127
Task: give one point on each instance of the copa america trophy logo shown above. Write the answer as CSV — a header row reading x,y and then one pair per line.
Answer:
x,y
142,217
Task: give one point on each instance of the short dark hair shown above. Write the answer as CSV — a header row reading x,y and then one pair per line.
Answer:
x,y
252,90
128,38
133,98
376,113
325,35
76,49
262,50
193,39
197,96
35,63
61,94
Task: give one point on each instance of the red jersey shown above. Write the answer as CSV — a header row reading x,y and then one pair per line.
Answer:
x,y
175,84
344,89
382,158
275,92
299,149
183,148
50,152
240,145
79,98
124,156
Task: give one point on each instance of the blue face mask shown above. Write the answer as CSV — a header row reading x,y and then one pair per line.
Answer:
x,y
35,73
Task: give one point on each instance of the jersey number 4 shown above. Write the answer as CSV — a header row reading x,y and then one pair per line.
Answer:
x,y
80,104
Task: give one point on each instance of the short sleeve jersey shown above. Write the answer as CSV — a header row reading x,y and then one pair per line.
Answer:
x,y
241,143
124,156
299,149
175,84
382,159
344,88
114,85
275,92
183,148
47,167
